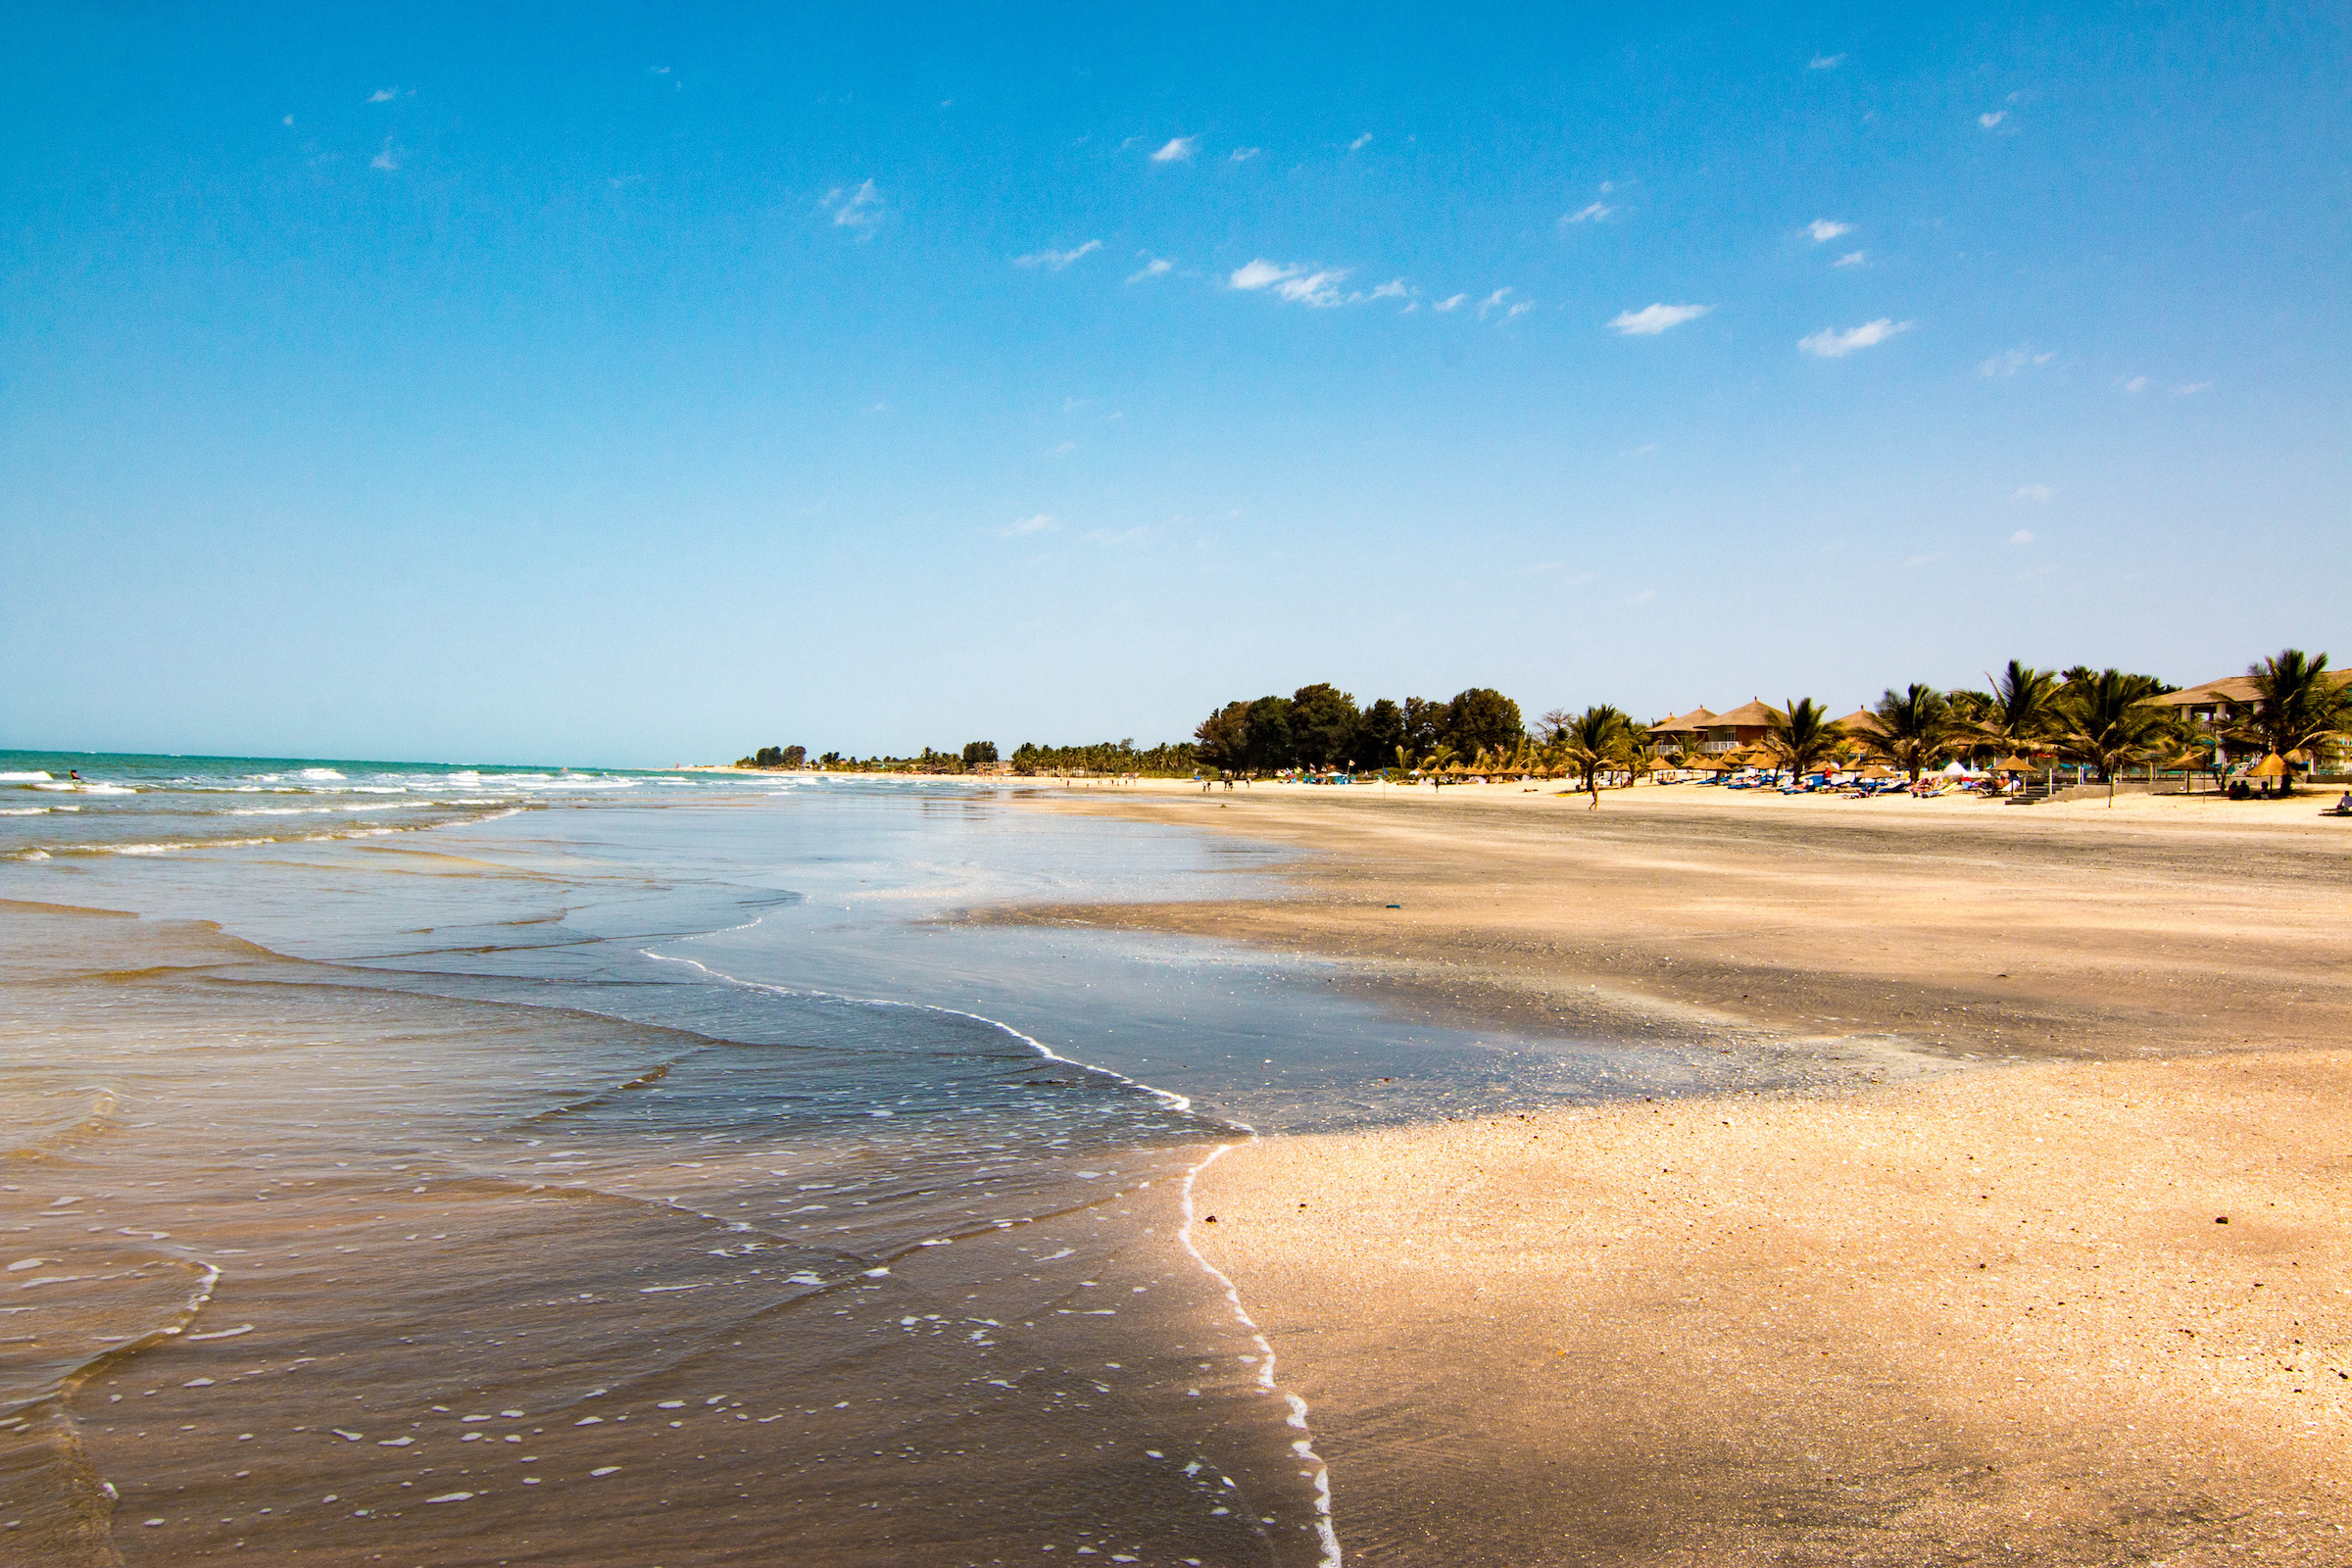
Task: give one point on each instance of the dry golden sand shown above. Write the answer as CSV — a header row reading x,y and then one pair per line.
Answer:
x,y
1984,1316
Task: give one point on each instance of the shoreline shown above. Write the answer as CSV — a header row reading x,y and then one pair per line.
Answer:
x,y
1928,1316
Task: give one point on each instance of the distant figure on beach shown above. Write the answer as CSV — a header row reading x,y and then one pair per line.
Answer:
x,y
2343,807
73,773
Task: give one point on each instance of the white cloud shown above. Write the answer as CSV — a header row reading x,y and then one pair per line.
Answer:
x,y
1055,260
1394,289
1641,451
1177,150
1831,344
1994,118
1923,561
856,207
1518,310
1491,302
2011,361
2040,494
2191,389
289,120
1043,523
1824,231
1258,273
1155,268
1591,214
1826,63
2139,383
1318,288
387,160
658,70
1453,302
1360,142
1242,155
383,95
2023,536
1651,319
1852,259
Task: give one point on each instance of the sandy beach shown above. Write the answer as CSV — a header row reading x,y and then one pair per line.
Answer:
x,y
2044,1265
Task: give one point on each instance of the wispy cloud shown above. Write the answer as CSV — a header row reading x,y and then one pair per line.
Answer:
x,y
1177,150
2038,494
1852,259
387,160
2191,389
2137,383
1296,283
1055,260
2011,361
858,207
1360,142
1831,344
1927,560
1492,302
1589,214
1824,230
1117,536
1826,63
1991,119
1393,289
1042,523
1651,319
1453,302
383,95
1154,268
2023,536
1242,155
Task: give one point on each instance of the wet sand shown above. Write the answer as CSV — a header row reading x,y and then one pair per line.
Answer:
x,y
1965,1300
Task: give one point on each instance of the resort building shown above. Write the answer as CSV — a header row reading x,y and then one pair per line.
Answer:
x,y
1699,730
2218,702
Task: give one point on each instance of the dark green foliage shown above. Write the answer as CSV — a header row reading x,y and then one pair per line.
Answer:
x,y
2107,721
1323,725
977,754
1178,759
2298,707
1223,739
1914,729
1802,736
1267,743
1481,720
1379,734
1424,725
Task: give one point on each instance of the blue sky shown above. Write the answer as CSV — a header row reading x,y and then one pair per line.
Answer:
x,y
614,385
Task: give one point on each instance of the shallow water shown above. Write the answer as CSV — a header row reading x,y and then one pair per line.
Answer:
x,y
645,1175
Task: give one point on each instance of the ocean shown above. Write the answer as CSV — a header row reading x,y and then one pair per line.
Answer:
x,y
441,1164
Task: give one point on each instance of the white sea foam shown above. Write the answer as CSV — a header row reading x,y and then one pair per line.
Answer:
x,y
34,777
1319,1477
317,773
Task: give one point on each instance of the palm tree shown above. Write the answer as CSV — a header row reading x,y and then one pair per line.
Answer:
x,y
1801,736
1596,738
2024,707
2298,707
2107,720
1913,729
1433,765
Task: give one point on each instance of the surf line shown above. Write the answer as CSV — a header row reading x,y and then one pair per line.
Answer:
x,y
1326,1531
